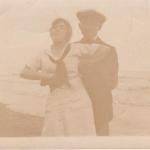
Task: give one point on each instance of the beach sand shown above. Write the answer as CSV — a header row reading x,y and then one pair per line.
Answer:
x,y
16,124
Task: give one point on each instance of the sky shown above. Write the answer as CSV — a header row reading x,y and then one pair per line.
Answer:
x,y
24,28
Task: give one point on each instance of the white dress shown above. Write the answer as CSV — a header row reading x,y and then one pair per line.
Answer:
x,y
68,109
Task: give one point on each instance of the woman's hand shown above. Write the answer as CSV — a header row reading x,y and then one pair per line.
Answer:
x,y
45,78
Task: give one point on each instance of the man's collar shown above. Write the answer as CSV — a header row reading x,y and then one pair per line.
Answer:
x,y
97,40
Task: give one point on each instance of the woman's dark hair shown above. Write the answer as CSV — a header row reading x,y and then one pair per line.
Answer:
x,y
68,25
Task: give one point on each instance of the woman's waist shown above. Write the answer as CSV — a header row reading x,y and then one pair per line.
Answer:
x,y
73,82
63,103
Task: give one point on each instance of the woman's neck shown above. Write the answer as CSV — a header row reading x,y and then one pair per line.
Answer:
x,y
58,49
59,46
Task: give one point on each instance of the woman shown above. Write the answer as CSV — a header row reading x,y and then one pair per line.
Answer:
x,y
68,108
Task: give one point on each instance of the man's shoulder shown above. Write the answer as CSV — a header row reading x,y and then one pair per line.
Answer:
x,y
103,45
104,50
107,46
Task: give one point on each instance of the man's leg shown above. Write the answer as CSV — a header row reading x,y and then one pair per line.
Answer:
x,y
102,129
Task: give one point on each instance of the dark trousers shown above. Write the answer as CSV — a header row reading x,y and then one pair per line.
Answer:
x,y
102,129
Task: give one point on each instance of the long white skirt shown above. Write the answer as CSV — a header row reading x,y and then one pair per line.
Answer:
x,y
69,112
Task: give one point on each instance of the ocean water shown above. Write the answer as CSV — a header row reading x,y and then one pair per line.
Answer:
x,y
22,95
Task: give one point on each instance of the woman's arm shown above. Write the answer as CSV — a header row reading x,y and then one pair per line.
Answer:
x,y
30,74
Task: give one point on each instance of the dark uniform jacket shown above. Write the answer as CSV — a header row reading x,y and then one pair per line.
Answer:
x,y
100,75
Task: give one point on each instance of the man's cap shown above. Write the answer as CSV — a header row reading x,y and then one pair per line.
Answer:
x,y
90,15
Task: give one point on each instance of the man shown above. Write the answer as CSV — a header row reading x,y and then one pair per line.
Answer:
x,y
100,71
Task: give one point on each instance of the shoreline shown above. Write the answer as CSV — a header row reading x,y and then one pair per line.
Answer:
x,y
16,124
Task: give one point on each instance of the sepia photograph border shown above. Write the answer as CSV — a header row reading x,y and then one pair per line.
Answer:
x,y
117,142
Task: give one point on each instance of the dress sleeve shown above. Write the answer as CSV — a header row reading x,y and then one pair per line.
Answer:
x,y
79,49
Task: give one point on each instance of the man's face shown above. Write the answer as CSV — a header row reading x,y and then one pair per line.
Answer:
x,y
89,29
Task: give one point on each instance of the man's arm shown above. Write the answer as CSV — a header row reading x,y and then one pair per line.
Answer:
x,y
108,69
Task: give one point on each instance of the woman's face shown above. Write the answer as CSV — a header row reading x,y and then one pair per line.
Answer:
x,y
59,32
